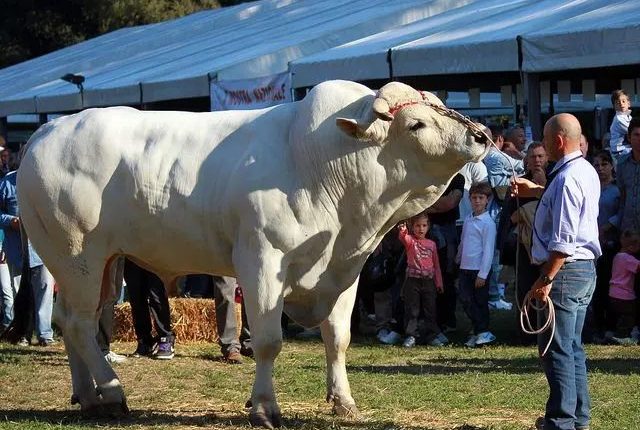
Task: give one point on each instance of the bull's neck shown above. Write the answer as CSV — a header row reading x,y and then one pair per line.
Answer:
x,y
369,191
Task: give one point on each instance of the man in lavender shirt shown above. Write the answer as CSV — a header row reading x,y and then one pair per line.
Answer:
x,y
565,245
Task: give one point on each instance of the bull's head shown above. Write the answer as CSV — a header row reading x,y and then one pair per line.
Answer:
x,y
419,122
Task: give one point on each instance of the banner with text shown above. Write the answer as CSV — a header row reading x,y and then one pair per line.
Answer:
x,y
251,93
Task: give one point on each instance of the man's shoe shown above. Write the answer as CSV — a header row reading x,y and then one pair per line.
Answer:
x,y
165,349
114,358
442,338
484,338
143,350
247,351
382,333
471,342
391,338
500,305
624,340
233,357
47,342
436,342
409,342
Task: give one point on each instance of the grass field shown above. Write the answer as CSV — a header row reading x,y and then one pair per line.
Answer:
x,y
497,387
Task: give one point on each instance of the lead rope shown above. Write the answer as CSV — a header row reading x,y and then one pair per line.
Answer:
x,y
529,301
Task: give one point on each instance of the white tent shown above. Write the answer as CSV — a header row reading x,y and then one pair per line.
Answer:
x,y
367,58
608,35
177,59
481,36
485,45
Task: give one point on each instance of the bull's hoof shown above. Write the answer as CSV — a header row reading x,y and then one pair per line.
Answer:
x,y
249,404
75,400
261,419
346,411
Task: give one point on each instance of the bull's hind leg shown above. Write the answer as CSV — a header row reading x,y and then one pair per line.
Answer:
x,y
84,389
84,292
336,335
263,299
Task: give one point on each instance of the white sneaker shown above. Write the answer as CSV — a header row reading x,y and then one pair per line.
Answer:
x,y
484,338
471,342
442,338
624,340
409,342
391,338
382,333
436,342
114,358
500,305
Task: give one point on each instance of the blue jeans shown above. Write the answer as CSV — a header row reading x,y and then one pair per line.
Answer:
x,y
564,364
9,290
42,288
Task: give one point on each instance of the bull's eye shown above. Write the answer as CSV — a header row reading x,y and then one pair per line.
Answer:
x,y
417,126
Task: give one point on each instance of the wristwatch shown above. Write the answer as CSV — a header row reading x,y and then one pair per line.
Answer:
x,y
545,280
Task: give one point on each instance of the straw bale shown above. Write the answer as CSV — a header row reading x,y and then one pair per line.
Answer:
x,y
192,320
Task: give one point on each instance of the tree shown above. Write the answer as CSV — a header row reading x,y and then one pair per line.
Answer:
x,y
30,28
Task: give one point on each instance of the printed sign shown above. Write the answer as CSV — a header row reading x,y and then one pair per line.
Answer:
x,y
251,93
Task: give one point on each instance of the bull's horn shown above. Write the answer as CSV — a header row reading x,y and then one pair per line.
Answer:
x,y
381,109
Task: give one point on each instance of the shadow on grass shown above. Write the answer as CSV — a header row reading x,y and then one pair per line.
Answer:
x,y
50,357
148,418
621,366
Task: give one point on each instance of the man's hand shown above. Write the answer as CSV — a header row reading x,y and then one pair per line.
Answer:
x,y
439,289
402,227
480,282
541,292
525,188
15,224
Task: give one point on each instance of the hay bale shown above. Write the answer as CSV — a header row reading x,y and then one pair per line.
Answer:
x,y
193,320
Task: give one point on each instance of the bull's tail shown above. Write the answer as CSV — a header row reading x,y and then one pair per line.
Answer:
x,y
23,304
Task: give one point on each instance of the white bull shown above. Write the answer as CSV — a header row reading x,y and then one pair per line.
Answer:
x,y
280,198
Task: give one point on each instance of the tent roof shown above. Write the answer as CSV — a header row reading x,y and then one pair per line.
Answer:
x,y
481,36
177,59
608,35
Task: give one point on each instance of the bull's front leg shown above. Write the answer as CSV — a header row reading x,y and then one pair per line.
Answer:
x,y
264,302
336,335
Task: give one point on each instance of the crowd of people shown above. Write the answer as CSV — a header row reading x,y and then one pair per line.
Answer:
x,y
477,239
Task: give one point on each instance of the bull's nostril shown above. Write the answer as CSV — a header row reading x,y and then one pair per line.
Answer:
x,y
480,138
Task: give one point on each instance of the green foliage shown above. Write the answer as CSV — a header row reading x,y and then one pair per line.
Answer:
x,y
30,28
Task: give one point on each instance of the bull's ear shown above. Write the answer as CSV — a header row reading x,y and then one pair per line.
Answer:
x,y
372,132
350,127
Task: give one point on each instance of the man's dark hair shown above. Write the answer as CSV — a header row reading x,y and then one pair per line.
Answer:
x,y
496,130
534,145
